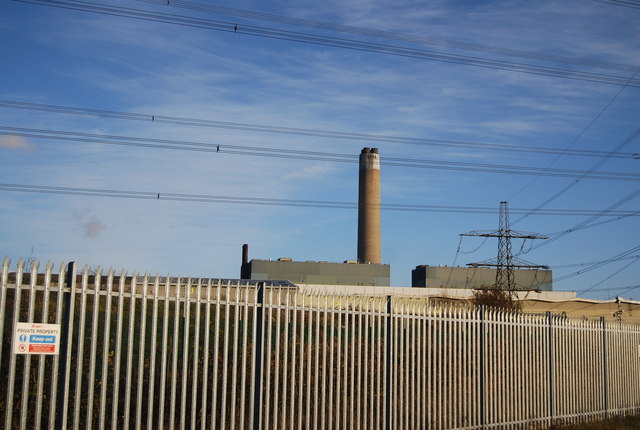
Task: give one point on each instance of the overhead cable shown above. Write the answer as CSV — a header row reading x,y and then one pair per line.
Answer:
x,y
334,134
321,40
625,3
602,281
566,266
587,172
579,136
625,289
225,148
590,225
247,200
586,222
391,35
613,259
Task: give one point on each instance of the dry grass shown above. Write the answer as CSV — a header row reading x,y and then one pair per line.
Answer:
x,y
615,423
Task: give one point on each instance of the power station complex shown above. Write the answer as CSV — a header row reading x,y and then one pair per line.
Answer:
x,y
367,269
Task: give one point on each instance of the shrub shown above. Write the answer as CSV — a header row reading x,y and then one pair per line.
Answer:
x,y
497,298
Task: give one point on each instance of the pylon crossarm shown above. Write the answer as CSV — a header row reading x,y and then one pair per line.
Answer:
x,y
509,233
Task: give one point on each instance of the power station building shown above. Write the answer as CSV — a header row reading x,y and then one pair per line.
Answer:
x,y
318,272
478,277
367,270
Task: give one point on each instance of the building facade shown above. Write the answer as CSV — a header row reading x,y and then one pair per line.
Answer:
x,y
317,272
478,277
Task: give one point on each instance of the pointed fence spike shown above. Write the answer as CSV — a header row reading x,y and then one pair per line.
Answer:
x,y
34,267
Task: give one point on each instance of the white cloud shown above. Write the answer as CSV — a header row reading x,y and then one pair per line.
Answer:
x,y
11,141
319,170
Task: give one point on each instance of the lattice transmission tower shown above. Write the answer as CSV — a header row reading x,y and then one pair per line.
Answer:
x,y
505,263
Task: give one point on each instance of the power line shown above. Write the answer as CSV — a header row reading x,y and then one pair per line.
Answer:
x,y
476,249
207,198
263,128
582,132
625,289
625,3
602,290
587,172
586,222
591,225
225,148
566,266
595,266
320,40
600,264
592,288
412,38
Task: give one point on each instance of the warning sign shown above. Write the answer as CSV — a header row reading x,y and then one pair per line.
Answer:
x,y
34,338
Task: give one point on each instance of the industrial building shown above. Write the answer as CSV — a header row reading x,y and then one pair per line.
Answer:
x,y
318,272
478,277
367,270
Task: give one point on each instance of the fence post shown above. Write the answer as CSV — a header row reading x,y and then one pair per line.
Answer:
x,y
482,367
604,368
387,383
550,362
62,392
257,401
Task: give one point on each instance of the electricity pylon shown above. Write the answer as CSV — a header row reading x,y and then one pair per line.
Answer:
x,y
506,262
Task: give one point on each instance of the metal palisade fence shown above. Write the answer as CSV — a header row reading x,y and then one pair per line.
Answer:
x,y
150,352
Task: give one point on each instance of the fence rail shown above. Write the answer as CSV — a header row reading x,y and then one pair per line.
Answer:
x,y
152,352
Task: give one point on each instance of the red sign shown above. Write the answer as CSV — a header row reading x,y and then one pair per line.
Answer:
x,y
42,349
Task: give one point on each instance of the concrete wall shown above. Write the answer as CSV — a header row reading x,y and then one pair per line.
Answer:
x,y
476,277
316,272
445,293
557,302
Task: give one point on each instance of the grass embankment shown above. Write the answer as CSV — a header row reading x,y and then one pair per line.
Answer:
x,y
615,423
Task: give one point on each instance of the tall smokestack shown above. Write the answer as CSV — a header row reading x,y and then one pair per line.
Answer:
x,y
245,272
369,207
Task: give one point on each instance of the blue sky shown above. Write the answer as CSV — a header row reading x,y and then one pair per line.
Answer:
x,y
62,57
